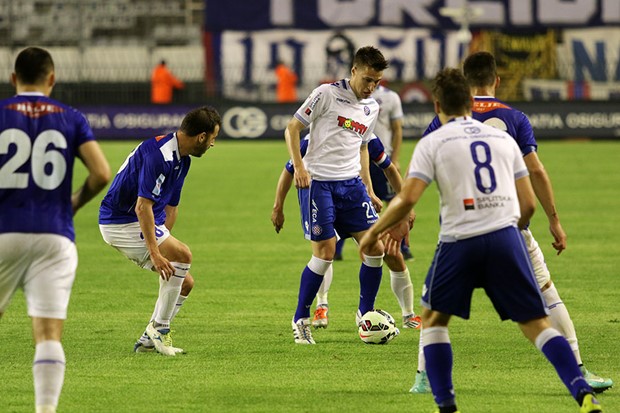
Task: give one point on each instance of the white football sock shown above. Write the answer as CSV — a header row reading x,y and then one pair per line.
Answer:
x,y
560,319
421,358
48,370
321,296
178,306
169,292
403,290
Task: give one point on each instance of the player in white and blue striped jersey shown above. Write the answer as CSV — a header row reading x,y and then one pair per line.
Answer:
x,y
485,197
40,138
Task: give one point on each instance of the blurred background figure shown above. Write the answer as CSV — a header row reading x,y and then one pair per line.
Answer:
x,y
163,83
286,86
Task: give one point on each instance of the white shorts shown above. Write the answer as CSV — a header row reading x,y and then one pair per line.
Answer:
x,y
44,266
538,259
128,239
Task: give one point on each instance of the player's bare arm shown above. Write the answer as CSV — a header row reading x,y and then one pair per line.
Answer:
x,y
98,174
393,176
292,135
365,175
172,212
527,200
144,211
277,214
395,219
397,139
544,192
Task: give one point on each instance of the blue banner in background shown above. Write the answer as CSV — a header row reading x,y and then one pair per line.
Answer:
x,y
250,15
243,121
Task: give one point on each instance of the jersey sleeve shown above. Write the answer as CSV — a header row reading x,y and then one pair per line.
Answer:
x,y
525,135
397,107
84,131
314,106
151,176
376,152
422,165
434,125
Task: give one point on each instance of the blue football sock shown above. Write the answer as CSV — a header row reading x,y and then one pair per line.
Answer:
x,y
308,287
370,280
439,371
339,246
560,355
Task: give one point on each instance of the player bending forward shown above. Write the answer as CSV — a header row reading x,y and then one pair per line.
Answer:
x,y
140,209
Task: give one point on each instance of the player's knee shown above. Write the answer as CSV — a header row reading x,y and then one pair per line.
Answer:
x,y
188,285
375,250
184,254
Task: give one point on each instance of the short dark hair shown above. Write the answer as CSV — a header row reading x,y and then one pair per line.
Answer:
x,y
32,65
370,56
450,88
480,69
201,120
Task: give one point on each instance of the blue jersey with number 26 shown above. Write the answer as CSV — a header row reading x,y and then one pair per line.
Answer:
x,y
154,170
39,139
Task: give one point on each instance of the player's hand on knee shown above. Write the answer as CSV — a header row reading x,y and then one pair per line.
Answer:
x,y
163,267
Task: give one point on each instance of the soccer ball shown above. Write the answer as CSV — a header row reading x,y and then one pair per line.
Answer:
x,y
377,327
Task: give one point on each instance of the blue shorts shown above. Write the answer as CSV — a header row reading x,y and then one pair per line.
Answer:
x,y
380,184
498,262
330,206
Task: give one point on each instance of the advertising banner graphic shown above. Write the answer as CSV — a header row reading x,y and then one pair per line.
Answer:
x,y
329,14
596,120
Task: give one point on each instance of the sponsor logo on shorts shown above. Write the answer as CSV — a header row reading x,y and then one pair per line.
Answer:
x,y
314,212
469,204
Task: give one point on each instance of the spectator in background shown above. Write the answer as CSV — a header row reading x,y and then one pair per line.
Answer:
x,y
163,83
286,86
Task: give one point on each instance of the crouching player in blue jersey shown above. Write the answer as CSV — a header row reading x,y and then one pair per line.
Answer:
x,y
475,165
140,209
400,279
481,72
39,141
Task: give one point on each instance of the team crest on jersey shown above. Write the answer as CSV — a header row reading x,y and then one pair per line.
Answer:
x,y
366,110
469,204
348,123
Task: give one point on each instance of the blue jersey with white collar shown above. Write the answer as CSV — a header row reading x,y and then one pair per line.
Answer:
x,y
493,112
153,170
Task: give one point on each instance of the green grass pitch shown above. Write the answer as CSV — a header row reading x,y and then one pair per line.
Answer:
x,y
235,326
